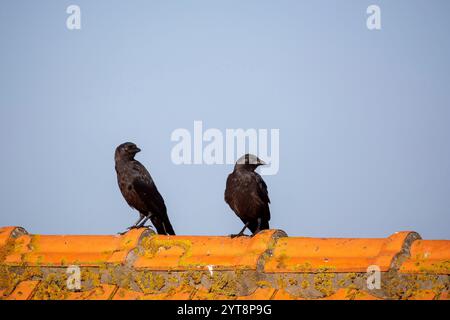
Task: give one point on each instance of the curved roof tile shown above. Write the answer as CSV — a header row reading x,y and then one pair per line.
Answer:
x,y
270,265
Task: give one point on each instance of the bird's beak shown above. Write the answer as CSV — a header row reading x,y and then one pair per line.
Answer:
x,y
261,163
137,150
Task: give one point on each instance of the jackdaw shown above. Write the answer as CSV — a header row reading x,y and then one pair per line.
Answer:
x,y
139,190
246,194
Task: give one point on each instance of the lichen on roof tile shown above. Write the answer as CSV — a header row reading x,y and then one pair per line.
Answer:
x,y
202,252
428,256
63,250
270,265
300,254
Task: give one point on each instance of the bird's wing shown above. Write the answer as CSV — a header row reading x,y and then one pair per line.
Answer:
x,y
150,195
228,189
264,196
262,188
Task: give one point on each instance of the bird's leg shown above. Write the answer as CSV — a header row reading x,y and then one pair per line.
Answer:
x,y
258,229
144,221
135,225
240,234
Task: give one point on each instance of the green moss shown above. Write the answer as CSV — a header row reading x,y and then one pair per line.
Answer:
x,y
90,279
349,278
153,244
196,277
191,277
281,282
323,281
6,250
34,239
11,276
263,284
353,293
223,284
305,284
437,268
52,287
281,261
121,279
173,280
408,286
150,282
303,267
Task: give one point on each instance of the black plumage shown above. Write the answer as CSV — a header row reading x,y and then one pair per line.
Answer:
x,y
246,194
139,190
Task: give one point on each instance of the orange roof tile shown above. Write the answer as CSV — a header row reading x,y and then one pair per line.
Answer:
x,y
124,294
203,252
205,294
5,234
55,250
284,295
351,294
428,294
270,265
428,256
334,254
177,294
23,290
259,294
102,292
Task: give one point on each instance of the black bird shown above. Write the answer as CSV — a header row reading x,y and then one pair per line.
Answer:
x,y
246,194
139,190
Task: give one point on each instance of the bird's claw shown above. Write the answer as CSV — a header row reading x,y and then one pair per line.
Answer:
x,y
238,235
127,229
255,233
135,227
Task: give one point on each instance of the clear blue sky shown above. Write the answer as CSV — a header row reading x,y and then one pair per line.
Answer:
x,y
363,115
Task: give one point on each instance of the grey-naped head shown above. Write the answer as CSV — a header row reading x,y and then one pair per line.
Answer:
x,y
249,161
126,151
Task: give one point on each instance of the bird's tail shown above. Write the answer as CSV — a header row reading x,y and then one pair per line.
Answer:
x,y
264,224
253,225
162,227
168,228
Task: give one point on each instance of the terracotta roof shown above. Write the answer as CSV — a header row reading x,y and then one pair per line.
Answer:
x,y
270,265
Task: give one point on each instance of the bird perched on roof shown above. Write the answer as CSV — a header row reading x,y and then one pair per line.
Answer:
x,y
246,194
139,190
